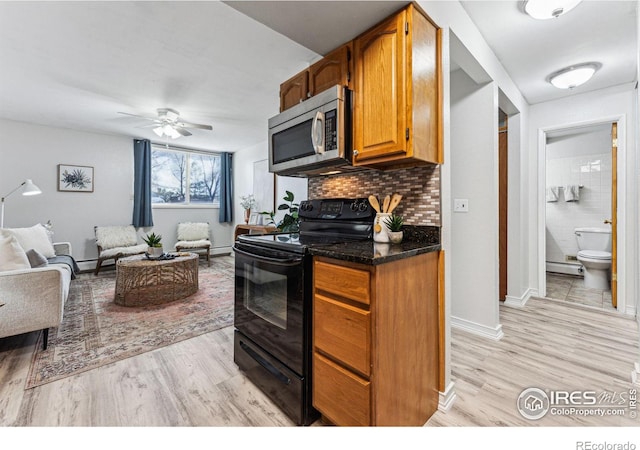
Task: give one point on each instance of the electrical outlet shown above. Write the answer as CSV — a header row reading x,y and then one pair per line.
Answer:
x,y
461,205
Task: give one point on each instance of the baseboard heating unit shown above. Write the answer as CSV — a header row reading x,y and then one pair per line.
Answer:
x,y
565,268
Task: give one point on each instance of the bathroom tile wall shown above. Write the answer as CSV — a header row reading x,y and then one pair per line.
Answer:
x,y
583,160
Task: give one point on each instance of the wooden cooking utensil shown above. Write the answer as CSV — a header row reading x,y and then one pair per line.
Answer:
x,y
385,204
395,199
373,201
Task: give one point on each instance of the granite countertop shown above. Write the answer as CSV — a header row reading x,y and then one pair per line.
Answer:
x,y
417,240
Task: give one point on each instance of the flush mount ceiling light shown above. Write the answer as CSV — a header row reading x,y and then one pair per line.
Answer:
x,y
573,76
549,9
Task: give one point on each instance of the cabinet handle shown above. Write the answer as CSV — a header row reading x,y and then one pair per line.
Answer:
x,y
608,221
355,153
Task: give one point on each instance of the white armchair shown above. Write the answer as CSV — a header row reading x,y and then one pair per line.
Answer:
x,y
194,237
116,242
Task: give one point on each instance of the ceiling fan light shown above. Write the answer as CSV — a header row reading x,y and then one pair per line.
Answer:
x,y
549,9
574,76
158,131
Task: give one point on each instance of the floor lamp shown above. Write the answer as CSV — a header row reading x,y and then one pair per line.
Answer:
x,y
29,189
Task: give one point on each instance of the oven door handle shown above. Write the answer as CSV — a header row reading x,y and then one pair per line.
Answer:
x,y
280,262
264,363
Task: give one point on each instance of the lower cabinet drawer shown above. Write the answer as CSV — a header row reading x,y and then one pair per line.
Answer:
x,y
340,395
342,332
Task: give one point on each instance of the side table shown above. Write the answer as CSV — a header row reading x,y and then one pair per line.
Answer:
x,y
252,229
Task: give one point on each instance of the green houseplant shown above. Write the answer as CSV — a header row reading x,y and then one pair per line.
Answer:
x,y
154,242
290,222
394,225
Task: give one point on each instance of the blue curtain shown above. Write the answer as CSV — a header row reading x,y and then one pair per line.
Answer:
x,y
142,216
226,188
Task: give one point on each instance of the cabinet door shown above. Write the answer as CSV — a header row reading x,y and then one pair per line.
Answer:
x,y
335,68
343,332
380,124
294,90
340,395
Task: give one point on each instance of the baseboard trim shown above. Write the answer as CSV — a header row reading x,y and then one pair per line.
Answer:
x,y
481,330
518,302
635,374
630,310
447,398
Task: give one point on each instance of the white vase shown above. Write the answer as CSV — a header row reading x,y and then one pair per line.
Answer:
x,y
155,251
380,230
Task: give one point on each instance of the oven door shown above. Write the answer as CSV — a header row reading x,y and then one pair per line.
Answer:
x,y
270,301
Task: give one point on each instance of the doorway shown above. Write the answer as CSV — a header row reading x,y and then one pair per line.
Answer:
x,y
503,199
580,226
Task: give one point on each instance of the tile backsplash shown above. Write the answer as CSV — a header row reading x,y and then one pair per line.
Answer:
x,y
419,187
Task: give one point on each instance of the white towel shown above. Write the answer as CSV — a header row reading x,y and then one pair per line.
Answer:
x,y
571,193
552,194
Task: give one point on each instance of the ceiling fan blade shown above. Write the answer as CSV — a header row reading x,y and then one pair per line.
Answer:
x,y
194,125
155,119
182,131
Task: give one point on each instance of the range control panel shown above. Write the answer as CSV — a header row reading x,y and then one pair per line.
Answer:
x,y
336,209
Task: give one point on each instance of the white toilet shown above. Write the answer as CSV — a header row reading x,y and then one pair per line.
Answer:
x,y
595,255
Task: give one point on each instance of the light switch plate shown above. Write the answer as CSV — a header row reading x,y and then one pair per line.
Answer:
x,y
461,205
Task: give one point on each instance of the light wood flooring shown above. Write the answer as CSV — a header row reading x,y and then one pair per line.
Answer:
x,y
196,383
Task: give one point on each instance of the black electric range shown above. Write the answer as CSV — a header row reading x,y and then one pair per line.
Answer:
x,y
273,298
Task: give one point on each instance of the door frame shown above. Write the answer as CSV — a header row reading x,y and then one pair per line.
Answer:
x,y
621,197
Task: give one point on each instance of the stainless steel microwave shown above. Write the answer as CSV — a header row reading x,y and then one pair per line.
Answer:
x,y
313,137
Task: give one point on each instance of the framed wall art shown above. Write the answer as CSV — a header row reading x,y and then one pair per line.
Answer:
x,y
75,178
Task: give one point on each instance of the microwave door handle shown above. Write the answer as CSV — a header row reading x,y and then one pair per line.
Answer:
x,y
317,132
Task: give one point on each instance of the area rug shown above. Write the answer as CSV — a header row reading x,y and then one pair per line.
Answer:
x,y
95,331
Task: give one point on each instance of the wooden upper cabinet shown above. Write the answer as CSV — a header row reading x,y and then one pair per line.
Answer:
x,y
294,90
397,119
335,68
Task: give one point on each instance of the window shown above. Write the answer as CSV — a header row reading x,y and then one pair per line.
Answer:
x,y
182,177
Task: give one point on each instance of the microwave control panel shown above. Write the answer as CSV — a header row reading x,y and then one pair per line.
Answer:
x,y
331,130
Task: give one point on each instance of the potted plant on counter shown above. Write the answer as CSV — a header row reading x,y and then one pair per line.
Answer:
x,y
154,243
290,222
394,224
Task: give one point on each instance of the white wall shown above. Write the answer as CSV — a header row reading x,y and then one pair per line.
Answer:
x,y
582,160
243,180
606,105
452,18
474,177
34,151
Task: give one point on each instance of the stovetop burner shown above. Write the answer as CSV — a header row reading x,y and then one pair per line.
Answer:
x,y
322,222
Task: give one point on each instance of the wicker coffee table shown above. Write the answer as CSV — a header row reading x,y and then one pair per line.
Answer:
x,y
144,282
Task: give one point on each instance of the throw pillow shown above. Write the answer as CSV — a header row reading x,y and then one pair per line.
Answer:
x,y
33,237
36,259
12,256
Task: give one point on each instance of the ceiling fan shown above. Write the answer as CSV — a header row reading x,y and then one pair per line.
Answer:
x,y
168,123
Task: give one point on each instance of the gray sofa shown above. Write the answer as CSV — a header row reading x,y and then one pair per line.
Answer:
x,y
33,299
